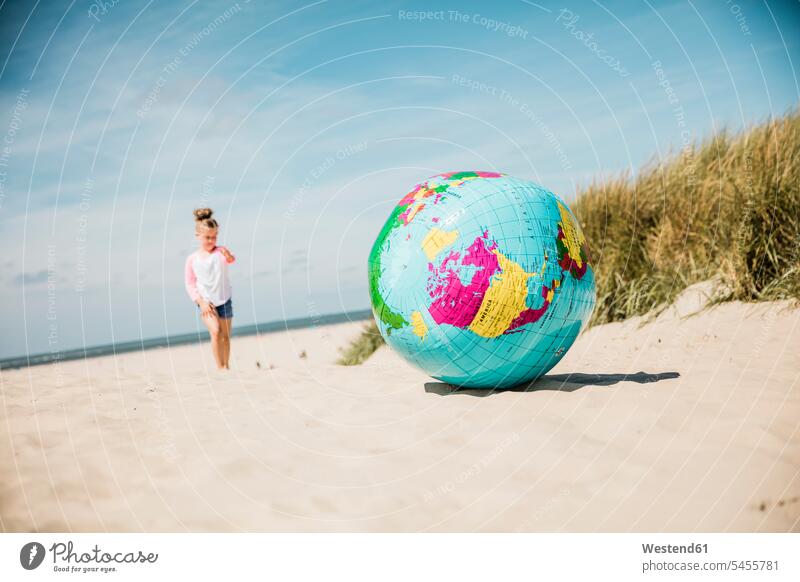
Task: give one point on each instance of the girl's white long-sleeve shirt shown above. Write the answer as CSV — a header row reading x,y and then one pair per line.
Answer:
x,y
207,277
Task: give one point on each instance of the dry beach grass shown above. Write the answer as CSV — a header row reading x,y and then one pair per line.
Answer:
x,y
726,210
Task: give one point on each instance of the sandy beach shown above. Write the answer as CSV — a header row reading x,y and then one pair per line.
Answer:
x,y
688,422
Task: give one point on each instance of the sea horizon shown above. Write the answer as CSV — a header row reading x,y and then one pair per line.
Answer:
x,y
42,358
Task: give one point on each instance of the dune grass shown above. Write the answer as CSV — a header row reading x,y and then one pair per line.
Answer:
x,y
726,209
362,347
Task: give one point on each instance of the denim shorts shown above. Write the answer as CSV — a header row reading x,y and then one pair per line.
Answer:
x,y
224,311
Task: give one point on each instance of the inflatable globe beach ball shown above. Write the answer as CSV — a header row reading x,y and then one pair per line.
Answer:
x,y
480,279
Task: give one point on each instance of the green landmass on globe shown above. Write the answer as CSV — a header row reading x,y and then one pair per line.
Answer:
x,y
481,279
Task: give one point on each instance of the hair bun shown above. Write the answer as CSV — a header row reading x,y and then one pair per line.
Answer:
x,y
203,213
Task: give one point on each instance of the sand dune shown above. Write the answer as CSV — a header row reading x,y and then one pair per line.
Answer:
x,y
689,422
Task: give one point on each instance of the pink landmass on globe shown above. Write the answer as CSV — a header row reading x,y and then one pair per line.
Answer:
x,y
455,303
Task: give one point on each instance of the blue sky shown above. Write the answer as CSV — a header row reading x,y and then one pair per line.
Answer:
x,y
301,124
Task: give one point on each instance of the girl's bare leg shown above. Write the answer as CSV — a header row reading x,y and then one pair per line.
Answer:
x,y
212,323
225,326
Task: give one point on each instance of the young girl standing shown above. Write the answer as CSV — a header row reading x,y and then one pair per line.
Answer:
x,y
208,284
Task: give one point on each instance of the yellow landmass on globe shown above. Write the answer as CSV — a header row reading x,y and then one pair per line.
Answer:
x,y
417,204
573,237
436,240
418,324
413,212
552,292
504,300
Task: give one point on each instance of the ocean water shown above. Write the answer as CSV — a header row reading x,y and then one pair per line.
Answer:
x,y
180,339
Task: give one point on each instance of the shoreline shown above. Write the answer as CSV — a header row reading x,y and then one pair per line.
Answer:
x,y
97,351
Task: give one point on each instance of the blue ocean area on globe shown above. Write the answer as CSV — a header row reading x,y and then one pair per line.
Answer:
x,y
481,279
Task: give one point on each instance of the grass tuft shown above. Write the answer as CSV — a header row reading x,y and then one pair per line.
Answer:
x,y
362,347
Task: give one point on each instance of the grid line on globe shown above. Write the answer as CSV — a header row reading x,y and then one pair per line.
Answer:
x,y
481,279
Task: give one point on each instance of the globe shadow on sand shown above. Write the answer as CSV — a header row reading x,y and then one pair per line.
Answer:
x,y
557,382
